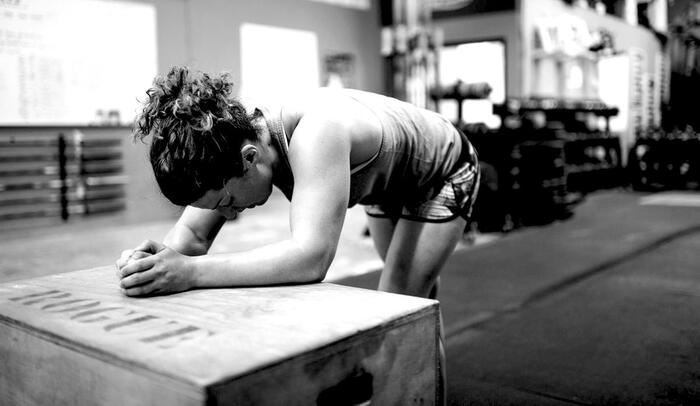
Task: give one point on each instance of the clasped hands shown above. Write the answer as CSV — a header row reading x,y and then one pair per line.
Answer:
x,y
153,268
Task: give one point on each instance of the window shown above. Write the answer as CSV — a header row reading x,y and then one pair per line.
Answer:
x,y
474,62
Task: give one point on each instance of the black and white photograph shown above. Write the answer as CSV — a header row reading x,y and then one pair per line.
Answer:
x,y
349,202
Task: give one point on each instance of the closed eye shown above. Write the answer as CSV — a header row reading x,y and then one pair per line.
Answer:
x,y
230,203
227,205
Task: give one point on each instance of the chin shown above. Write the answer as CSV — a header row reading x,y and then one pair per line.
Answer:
x,y
264,199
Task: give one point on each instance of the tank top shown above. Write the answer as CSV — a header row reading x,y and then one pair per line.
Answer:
x,y
418,151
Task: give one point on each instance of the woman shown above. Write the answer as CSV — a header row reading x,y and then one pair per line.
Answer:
x,y
416,174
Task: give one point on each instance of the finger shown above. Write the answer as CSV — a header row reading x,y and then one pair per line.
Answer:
x,y
124,258
139,290
139,265
138,278
150,246
134,255
137,255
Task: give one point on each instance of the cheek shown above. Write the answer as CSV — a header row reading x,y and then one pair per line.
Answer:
x,y
267,187
257,190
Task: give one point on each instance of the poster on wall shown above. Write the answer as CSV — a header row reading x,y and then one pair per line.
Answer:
x,y
73,62
339,70
277,63
629,94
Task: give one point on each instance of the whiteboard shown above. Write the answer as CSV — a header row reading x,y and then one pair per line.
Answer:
x,y
70,62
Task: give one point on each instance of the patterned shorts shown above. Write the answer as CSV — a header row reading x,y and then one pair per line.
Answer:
x,y
455,199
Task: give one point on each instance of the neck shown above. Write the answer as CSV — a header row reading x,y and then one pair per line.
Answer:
x,y
269,145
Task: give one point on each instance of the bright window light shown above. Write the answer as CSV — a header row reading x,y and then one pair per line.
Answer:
x,y
277,63
472,63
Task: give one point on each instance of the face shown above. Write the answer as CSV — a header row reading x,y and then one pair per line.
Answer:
x,y
239,193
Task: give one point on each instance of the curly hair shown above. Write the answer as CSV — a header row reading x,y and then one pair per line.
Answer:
x,y
197,129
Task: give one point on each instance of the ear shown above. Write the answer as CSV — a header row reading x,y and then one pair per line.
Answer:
x,y
249,153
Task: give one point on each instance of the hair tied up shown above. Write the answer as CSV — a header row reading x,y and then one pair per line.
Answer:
x,y
183,99
196,128
206,123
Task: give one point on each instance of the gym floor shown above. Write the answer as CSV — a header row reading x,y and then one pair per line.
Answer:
x,y
598,309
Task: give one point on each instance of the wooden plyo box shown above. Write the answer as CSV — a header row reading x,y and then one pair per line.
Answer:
x,y
74,339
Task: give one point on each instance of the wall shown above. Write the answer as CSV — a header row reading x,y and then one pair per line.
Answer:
x,y
626,36
215,32
204,34
636,110
495,25
517,29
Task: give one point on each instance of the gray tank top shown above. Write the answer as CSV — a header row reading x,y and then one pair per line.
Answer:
x,y
419,150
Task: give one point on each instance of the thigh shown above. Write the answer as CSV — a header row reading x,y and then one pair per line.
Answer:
x,y
381,229
416,254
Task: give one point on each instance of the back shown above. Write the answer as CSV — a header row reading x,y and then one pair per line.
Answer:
x,y
419,149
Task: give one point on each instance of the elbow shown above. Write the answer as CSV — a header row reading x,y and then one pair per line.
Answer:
x,y
316,277
317,264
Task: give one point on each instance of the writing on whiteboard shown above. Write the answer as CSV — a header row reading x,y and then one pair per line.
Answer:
x,y
74,61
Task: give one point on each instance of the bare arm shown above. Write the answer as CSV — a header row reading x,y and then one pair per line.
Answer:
x,y
319,155
320,163
192,235
195,231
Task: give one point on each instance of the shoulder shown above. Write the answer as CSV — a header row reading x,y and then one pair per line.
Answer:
x,y
330,110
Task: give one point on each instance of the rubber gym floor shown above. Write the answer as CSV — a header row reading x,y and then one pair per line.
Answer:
x,y
599,309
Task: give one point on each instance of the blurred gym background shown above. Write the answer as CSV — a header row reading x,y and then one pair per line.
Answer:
x,y
576,280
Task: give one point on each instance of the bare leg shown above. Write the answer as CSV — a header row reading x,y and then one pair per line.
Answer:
x,y
412,262
381,230
416,254
441,345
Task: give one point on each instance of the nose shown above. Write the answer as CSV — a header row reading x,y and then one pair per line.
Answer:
x,y
229,213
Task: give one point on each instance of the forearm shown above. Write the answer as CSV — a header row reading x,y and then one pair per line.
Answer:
x,y
194,231
278,263
183,240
